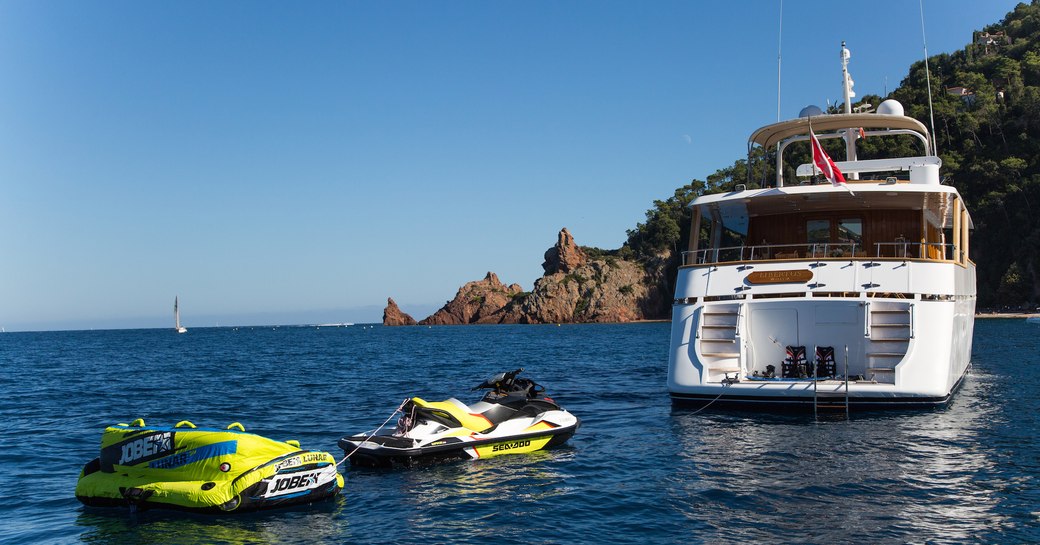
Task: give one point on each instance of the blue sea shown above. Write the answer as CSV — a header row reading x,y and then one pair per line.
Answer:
x,y
638,470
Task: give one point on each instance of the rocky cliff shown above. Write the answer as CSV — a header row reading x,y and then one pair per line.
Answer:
x,y
574,289
392,315
609,290
476,302
565,256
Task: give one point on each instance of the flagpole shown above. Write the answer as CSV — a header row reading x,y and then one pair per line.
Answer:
x,y
812,156
813,144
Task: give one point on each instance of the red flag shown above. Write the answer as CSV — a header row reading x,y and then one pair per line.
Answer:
x,y
824,163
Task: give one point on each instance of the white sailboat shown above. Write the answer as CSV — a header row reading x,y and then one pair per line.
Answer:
x,y
177,317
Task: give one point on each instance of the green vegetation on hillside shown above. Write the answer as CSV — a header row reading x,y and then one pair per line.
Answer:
x,y
989,142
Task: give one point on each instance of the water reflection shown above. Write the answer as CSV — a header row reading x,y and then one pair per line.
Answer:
x,y
453,501
880,477
318,523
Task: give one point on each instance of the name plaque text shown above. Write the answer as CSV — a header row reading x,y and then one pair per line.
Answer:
x,y
779,277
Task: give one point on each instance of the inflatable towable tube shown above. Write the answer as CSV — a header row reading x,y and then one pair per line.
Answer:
x,y
203,469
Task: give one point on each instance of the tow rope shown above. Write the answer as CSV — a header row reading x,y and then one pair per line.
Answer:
x,y
725,385
369,436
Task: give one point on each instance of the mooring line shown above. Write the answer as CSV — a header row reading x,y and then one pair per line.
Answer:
x,y
725,385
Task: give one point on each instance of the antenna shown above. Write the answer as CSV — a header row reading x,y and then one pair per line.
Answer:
x,y
847,83
779,44
846,79
928,81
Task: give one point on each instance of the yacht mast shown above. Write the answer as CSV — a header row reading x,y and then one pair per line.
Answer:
x,y
850,135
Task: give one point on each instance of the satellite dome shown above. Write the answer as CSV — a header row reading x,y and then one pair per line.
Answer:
x,y
810,111
890,107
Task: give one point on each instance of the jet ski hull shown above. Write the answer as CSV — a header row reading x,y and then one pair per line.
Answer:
x,y
203,470
515,416
388,451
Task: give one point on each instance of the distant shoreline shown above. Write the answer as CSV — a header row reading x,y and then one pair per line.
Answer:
x,y
1007,315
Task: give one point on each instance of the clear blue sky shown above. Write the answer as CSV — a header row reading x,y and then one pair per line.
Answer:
x,y
276,162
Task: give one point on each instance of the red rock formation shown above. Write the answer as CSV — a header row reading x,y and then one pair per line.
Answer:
x,y
392,315
603,291
476,302
573,289
565,256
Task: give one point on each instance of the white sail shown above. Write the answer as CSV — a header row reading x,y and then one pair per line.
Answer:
x,y
177,317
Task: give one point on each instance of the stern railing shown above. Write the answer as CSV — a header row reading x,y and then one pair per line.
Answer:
x,y
929,251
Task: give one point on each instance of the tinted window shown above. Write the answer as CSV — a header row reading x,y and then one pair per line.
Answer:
x,y
818,231
850,230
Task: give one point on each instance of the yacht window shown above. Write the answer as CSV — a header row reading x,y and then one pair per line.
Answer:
x,y
818,231
850,230
726,242
731,238
727,236
842,231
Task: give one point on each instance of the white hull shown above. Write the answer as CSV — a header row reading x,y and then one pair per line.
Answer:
x,y
908,337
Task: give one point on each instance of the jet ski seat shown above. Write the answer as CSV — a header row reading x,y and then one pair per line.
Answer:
x,y
455,411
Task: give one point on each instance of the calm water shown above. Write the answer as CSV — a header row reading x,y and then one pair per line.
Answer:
x,y
636,472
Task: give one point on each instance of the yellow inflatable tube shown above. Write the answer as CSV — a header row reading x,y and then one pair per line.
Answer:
x,y
203,469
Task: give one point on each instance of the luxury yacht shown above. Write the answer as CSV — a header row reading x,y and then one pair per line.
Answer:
x,y
846,290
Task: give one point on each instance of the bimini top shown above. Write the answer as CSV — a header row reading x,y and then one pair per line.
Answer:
x,y
770,135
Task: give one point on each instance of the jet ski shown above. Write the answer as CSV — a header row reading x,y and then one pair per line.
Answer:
x,y
203,469
514,416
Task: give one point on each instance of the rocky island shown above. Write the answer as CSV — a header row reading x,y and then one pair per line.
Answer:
x,y
575,288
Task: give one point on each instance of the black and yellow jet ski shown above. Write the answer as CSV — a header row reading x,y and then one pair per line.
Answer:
x,y
205,470
515,416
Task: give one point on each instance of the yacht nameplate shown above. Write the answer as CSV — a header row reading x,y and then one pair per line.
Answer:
x,y
779,277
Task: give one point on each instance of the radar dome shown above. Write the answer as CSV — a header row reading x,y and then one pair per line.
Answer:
x,y
890,107
810,111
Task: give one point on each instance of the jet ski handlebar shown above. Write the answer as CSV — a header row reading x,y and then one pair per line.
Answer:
x,y
500,380
506,382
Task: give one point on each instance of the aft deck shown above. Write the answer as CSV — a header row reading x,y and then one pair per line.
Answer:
x,y
878,221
